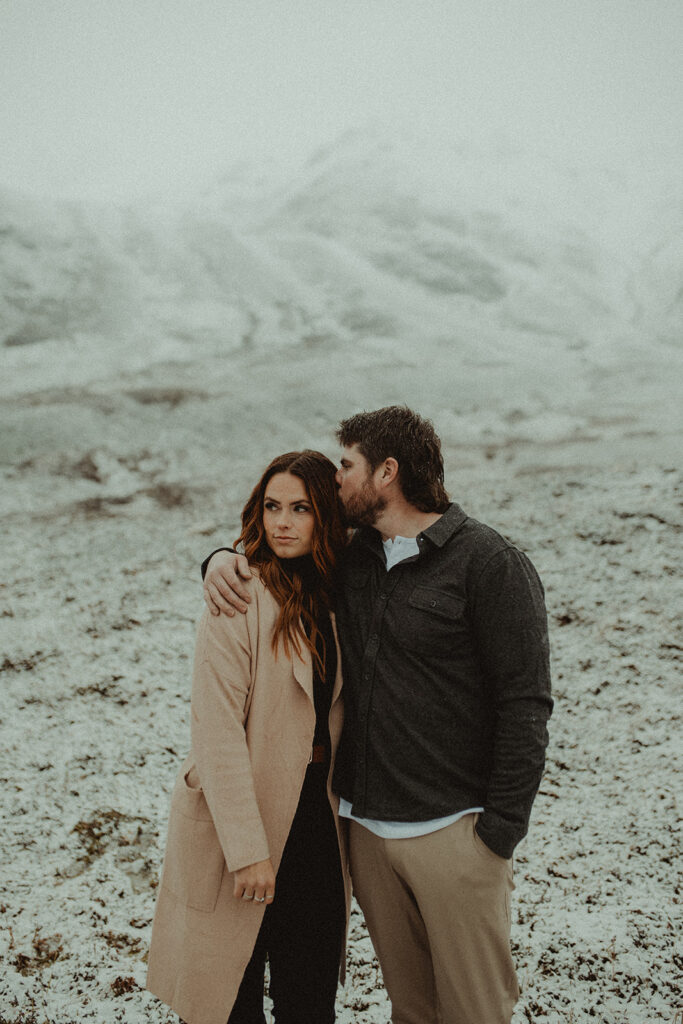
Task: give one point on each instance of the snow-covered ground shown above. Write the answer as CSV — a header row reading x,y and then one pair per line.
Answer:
x,y
155,359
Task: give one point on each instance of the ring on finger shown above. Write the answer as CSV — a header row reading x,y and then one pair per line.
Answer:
x,y
246,897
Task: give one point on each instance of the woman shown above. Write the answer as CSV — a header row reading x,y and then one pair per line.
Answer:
x,y
255,863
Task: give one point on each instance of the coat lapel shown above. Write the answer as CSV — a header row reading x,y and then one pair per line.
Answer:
x,y
338,678
302,668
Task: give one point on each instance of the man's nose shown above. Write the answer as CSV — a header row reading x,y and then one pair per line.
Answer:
x,y
337,478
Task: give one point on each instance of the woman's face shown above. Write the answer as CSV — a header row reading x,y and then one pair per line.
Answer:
x,y
288,517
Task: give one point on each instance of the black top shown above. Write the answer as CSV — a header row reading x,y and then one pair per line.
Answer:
x,y
323,685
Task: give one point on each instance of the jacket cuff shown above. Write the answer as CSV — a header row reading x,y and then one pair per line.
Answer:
x,y
206,561
499,835
241,856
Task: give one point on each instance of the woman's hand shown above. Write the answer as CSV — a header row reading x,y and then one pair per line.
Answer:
x,y
224,590
255,882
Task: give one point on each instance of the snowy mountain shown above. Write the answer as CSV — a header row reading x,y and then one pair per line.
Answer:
x,y
372,238
509,298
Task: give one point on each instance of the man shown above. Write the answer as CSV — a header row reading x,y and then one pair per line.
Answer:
x,y
443,632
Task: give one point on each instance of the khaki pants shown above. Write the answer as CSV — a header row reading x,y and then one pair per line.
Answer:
x,y
438,911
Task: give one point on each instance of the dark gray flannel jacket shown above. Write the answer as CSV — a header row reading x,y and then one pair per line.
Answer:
x,y
446,680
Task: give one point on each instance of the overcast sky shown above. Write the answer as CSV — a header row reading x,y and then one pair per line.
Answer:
x,y
115,98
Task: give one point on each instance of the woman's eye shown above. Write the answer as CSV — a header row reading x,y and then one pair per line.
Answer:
x,y
270,506
302,508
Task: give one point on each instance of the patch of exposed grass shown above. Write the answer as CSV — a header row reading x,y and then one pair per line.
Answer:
x,y
25,664
120,986
101,830
46,950
124,943
23,1017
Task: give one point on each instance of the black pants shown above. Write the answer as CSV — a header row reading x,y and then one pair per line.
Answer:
x,y
302,929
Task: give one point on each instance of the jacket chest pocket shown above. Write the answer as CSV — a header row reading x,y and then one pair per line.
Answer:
x,y
432,621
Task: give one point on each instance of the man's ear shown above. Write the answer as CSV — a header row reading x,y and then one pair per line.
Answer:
x,y
388,471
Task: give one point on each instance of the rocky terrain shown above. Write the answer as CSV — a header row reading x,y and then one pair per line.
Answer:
x,y
153,360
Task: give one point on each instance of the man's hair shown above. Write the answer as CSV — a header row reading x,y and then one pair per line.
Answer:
x,y
398,432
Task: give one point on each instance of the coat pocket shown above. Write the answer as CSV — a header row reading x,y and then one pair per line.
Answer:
x,y
194,862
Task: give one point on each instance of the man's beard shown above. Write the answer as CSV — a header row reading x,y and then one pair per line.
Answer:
x,y
364,507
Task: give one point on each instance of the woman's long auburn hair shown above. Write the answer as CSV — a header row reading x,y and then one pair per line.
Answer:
x,y
297,604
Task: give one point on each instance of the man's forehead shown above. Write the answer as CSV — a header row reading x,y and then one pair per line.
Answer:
x,y
351,454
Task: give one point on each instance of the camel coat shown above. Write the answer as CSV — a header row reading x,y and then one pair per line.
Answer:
x,y
233,804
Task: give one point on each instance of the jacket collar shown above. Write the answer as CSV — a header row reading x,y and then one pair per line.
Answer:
x,y
445,526
438,533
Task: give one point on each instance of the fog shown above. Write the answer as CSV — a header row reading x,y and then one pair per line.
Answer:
x,y
113,101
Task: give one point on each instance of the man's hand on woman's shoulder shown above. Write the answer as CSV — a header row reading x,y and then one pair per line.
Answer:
x,y
225,586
